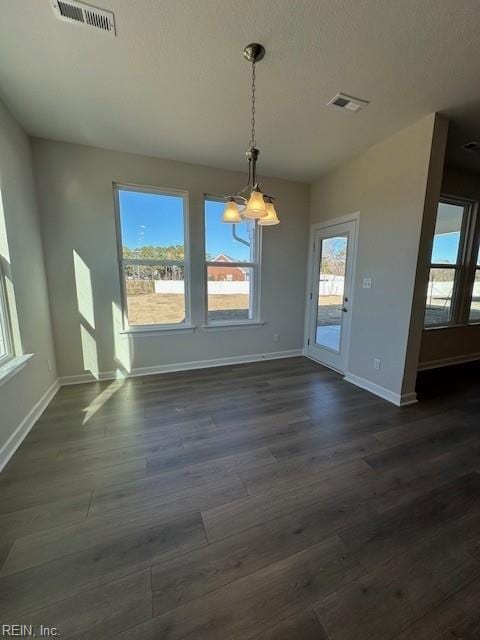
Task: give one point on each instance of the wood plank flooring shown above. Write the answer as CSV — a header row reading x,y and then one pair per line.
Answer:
x,y
268,501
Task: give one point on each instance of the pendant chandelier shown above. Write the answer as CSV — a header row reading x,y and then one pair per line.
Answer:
x,y
251,203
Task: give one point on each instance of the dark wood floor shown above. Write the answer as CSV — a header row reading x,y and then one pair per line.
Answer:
x,y
268,501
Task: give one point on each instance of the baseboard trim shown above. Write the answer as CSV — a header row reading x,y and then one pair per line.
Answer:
x,y
181,366
23,429
447,362
400,400
408,398
327,366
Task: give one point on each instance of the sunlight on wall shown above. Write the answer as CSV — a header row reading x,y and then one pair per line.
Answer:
x,y
83,285
83,281
122,357
89,350
122,347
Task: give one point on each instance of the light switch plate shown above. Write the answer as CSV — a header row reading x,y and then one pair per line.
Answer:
x,y
367,283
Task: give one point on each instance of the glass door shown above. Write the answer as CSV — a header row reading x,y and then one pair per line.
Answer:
x,y
331,289
330,297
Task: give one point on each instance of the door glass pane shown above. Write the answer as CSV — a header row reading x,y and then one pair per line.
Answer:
x,y
448,228
331,287
230,295
155,294
439,296
475,303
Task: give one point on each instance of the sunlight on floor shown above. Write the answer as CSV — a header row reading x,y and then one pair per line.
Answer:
x,y
101,399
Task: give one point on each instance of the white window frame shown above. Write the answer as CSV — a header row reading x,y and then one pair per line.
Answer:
x,y
122,262
5,325
473,264
256,270
464,268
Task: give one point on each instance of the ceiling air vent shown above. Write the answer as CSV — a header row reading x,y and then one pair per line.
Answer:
x,y
471,146
79,12
348,103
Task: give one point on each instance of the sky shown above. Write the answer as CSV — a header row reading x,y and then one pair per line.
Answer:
x,y
155,219
445,248
447,233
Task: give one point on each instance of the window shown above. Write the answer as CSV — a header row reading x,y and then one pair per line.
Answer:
x,y
453,294
474,311
6,347
152,242
447,258
232,254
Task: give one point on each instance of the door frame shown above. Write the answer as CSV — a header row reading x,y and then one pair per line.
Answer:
x,y
351,217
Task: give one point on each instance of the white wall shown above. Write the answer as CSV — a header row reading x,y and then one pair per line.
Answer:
x,y
76,200
23,263
388,185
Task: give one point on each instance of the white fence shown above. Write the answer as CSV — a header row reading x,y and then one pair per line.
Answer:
x,y
331,285
219,287
444,289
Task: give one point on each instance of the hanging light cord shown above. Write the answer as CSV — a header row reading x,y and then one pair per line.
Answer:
x,y
252,137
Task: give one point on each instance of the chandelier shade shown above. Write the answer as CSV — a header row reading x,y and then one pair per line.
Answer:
x,y
271,218
231,212
256,207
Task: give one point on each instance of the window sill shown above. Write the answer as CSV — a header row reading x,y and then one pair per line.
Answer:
x,y
233,325
13,366
451,326
145,332
439,326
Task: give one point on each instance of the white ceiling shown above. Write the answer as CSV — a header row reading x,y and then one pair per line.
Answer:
x,y
464,128
174,84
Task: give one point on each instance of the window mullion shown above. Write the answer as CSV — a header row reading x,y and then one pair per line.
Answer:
x,y
5,327
241,265
467,269
152,262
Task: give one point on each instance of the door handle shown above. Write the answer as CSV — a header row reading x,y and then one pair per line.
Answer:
x,y
344,309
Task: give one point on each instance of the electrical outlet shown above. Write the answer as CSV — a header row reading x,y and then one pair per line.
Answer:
x,y
276,337
377,364
367,283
